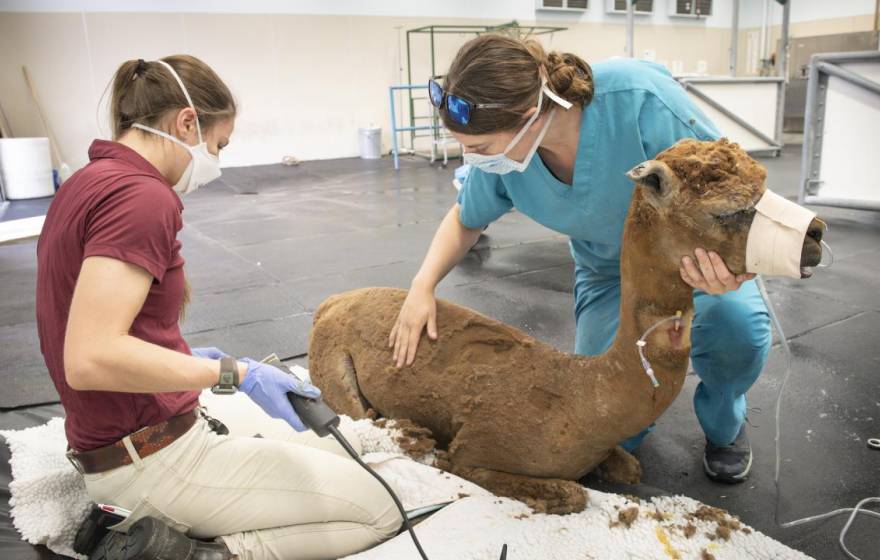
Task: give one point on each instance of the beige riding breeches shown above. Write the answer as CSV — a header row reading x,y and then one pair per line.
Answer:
x,y
284,495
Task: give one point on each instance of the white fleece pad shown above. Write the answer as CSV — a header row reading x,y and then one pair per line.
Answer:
x,y
48,496
49,501
475,528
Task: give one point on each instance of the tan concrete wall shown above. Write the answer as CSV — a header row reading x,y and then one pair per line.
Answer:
x,y
799,29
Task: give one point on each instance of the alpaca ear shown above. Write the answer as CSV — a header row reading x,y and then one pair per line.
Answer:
x,y
654,176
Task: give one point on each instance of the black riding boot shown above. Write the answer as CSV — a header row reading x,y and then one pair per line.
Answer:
x,y
151,539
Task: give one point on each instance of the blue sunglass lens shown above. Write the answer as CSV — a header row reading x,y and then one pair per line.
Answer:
x,y
436,93
458,108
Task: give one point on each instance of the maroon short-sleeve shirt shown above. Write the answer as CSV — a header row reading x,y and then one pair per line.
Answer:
x,y
117,206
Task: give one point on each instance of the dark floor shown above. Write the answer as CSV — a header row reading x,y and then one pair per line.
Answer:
x,y
19,209
266,245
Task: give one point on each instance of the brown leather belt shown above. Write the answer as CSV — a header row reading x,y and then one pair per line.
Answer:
x,y
145,441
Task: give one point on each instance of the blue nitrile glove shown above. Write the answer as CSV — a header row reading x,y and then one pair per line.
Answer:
x,y
268,387
209,352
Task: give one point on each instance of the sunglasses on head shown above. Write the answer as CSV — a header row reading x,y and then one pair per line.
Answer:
x,y
458,108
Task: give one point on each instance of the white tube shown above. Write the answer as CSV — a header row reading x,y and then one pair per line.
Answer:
x,y
774,319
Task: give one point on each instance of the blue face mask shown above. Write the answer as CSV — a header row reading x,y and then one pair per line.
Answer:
x,y
500,163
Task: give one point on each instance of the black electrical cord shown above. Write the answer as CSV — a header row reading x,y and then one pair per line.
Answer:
x,y
321,419
348,448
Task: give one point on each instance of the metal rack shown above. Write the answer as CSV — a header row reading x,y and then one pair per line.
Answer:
x,y
752,121
395,129
417,128
840,140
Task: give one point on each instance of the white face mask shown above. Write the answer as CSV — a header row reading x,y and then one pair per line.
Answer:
x,y
203,166
500,163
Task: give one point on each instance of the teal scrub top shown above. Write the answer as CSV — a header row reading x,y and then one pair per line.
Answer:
x,y
637,111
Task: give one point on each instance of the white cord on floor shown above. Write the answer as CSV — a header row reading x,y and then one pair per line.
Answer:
x,y
778,415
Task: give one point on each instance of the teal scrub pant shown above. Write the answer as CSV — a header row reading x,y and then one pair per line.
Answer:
x,y
730,340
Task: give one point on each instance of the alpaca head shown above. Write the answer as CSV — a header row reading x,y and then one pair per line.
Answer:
x,y
704,194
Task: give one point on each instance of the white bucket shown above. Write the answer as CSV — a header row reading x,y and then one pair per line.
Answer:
x,y
26,168
370,140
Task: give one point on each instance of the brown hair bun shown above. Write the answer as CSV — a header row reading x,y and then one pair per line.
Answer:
x,y
500,69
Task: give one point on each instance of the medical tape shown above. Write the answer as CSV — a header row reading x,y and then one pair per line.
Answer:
x,y
776,237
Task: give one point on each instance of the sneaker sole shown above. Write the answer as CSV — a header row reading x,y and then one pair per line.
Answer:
x,y
112,547
729,479
150,538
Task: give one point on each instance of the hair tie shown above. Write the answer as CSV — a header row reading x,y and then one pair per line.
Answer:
x,y
141,67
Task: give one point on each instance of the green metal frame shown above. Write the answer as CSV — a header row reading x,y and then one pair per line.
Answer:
x,y
511,28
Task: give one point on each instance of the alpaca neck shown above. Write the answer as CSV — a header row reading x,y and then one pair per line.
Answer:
x,y
651,290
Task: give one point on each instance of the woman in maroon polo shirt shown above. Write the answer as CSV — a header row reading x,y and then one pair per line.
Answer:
x,y
110,292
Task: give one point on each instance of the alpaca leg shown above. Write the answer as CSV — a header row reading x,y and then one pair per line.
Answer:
x,y
620,467
335,375
543,495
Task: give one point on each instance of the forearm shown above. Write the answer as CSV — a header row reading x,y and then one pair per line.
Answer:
x,y
129,365
451,243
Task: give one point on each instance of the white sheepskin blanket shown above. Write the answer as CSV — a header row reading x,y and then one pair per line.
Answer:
x,y
49,497
49,501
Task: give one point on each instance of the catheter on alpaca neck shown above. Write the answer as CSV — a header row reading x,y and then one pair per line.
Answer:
x,y
514,414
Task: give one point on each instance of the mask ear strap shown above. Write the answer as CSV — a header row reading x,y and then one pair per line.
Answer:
x,y
540,136
528,124
185,94
544,89
160,133
564,103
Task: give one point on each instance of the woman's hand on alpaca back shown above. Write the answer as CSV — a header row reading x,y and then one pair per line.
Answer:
x,y
418,311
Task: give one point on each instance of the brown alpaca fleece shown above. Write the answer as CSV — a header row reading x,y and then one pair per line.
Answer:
x,y
518,416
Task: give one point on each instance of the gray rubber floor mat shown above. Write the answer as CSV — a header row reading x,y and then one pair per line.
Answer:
x,y
218,310
22,369
286,336
24,209
543,313
18,274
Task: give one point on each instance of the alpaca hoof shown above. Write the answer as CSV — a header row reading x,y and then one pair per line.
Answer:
x,y
620,467
543,495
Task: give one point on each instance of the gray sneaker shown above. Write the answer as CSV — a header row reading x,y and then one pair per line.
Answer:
x,y
111,547
729,464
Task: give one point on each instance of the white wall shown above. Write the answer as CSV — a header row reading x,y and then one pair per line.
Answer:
x,y
523,10
750,10
307,73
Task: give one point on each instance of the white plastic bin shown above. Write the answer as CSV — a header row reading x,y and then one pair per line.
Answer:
x,y
26,168
370,140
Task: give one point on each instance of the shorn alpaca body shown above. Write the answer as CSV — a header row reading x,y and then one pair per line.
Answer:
x,y
518,416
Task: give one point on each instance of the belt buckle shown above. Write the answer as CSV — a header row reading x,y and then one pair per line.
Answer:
x,y
214,425
74,461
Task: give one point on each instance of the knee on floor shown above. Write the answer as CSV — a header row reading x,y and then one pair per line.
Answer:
x,y
386,520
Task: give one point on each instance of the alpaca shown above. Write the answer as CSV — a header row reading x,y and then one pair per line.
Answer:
x,y
517,416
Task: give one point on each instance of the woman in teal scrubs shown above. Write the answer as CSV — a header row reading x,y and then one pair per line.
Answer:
x,y
506,101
